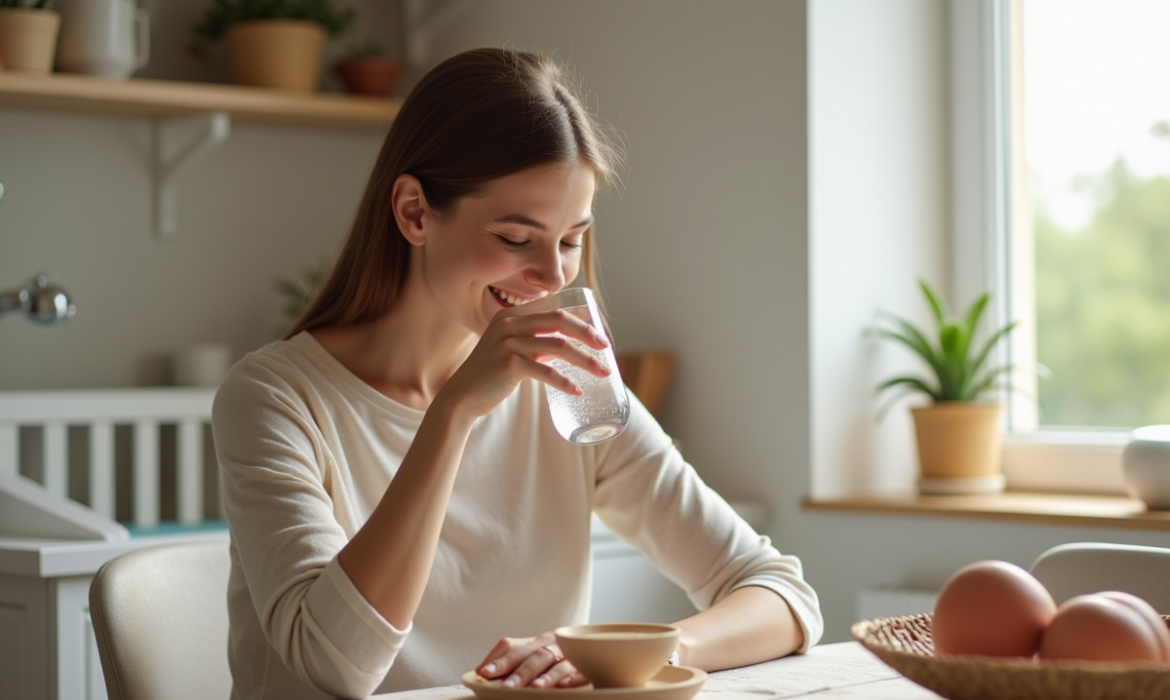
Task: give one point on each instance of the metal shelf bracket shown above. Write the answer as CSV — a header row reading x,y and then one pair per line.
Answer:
x,y
215,128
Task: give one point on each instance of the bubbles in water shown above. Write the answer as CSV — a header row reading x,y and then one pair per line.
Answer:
x,y
600,412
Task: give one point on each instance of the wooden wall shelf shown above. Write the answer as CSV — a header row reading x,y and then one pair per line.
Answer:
x,y
155,99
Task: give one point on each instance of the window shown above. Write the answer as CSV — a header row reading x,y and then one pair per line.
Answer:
x,y
1094,202
1062,206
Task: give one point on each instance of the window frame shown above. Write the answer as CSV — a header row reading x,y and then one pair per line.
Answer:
x,y
986,120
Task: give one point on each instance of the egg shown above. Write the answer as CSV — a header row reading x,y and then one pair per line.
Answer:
x,y
1149,614
991,608
1099,628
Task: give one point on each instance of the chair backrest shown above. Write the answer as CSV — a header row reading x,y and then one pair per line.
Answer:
x,y
161,621
1077,568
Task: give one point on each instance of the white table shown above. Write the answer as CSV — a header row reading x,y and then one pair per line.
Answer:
x,y
844,671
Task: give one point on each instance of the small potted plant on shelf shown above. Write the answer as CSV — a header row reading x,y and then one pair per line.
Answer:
x,y
368,70
958,435
273,43
28,35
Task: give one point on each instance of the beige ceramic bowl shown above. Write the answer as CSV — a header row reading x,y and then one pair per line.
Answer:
x,y
618,654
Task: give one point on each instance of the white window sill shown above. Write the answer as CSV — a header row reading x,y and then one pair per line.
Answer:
x,y
1053,477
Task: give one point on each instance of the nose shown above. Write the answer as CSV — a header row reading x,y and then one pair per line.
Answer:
x,y
548,270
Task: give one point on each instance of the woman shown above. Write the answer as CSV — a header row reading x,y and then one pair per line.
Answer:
x,y
397,494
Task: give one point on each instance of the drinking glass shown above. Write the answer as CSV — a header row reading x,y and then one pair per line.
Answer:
x,y
603,410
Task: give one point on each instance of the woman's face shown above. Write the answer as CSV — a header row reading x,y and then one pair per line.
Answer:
x,y
518,240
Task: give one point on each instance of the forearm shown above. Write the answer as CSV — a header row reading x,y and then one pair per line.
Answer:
x,y
389,560
750,625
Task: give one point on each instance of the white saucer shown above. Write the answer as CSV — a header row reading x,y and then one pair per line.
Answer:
x,y
671,683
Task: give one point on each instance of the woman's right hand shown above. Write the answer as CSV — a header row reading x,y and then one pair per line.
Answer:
x,y
516,346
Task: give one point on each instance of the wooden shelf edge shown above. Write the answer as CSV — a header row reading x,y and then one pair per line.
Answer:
x,y
1020,507
163,98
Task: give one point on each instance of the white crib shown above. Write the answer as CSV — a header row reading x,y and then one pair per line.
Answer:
x,y
54,420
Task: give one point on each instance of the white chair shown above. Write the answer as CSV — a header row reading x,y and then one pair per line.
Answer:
x,y
161,621
1077,568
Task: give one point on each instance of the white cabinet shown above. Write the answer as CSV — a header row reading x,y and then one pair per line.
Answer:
x,y
627,587
47,647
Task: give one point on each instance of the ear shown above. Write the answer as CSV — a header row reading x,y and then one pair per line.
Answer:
x,y
409,204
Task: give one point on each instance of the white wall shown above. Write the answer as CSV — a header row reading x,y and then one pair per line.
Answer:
x,y
77,205
704,246
266,204
878,210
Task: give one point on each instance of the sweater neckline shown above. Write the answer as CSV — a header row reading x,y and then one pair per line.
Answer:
x,y
310,345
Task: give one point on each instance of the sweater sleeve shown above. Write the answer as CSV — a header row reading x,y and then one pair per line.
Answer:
x,y
274,483
648,495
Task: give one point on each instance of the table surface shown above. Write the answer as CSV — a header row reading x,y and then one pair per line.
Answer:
x,y
844,671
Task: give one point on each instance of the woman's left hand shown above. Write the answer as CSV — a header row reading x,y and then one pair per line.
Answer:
x,y
530,661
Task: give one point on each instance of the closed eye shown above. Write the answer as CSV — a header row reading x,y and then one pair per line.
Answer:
x,y
508,242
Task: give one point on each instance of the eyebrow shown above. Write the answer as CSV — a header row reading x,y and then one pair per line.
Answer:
x,y
533,223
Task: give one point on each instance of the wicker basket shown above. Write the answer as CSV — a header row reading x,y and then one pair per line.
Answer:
x,y
904,643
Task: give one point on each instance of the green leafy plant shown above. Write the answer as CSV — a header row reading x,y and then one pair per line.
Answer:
x,y
221,14
26,4
298,292
366,49
955,360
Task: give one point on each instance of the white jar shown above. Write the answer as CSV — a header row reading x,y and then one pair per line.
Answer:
x,y
201,365
1145,464
110,38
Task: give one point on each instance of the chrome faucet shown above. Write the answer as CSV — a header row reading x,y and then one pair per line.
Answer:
x,y
40,300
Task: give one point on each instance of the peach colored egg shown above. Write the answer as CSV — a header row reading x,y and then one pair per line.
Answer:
x,y
1096,628
1149,614
991,608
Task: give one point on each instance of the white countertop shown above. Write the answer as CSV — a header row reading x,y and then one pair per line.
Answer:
x,y
49,558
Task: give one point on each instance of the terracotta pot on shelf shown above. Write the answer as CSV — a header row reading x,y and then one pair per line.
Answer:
x,y
281,54
959,448
369,75
28,39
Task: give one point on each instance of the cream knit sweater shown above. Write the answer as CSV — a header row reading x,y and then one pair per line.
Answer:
x,y
306,450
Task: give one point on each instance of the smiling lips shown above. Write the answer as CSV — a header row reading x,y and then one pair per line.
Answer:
x,y
508,300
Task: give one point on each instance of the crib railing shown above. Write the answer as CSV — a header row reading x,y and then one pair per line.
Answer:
x,y
145,411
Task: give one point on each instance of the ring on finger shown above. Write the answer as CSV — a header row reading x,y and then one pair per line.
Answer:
x,y
557,655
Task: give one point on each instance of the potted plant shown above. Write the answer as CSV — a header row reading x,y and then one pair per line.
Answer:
x,y
273,43
28,35
958,436
298,292
368,70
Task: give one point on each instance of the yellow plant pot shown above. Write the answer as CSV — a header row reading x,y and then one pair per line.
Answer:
x,y
959,447
28,39
281,54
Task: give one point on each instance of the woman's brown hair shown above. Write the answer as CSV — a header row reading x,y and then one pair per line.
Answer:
x,y
475,117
